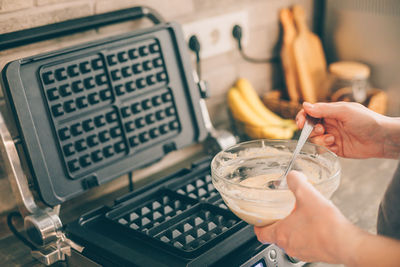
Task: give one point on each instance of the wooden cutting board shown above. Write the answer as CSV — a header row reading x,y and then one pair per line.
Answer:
x,y
310,60
287,55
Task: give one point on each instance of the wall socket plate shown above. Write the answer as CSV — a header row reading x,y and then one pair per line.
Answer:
x,y
215,33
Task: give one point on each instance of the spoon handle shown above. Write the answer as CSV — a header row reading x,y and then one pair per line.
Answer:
x,y
305,133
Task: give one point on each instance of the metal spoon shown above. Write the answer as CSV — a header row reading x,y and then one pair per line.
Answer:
x,y
305,133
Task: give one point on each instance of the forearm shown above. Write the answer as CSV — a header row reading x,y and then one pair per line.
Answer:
x,y
366,250
391,139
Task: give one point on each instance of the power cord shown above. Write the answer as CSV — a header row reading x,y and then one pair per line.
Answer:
x,y
194,45
14,230
238,34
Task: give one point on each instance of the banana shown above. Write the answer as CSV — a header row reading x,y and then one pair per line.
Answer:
x,y
253,132
241,111
252,98
291,124
254,125
270,132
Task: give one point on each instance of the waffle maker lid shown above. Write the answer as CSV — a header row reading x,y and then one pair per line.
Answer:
x,y
93,112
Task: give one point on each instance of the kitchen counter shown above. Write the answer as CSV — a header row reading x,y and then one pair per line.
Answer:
x,y
362,186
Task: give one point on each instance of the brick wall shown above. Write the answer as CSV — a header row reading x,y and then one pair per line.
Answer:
x,y
220,71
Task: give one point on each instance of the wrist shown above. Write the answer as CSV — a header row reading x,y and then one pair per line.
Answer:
x,y
391,137
343,238
352,245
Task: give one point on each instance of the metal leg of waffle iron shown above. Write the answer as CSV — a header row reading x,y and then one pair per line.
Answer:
x,y
43,225
216,139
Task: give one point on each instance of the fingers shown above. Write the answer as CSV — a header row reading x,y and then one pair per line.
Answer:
x,y
266,234
296,180
326,140
323,140
302,190
318,130
326,110
300,120
335,149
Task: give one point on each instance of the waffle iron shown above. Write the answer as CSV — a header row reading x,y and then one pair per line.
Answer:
x,y
88,114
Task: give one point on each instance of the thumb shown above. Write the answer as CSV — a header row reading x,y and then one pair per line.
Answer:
x,y
266,234
325,110
302,190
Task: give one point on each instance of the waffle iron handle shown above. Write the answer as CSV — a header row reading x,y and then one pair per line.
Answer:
x,y
40,223
217,139
42,33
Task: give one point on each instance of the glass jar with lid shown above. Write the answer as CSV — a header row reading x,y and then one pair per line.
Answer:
x,y
349,81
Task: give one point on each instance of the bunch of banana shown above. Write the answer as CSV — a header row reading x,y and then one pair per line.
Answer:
x,y
259,122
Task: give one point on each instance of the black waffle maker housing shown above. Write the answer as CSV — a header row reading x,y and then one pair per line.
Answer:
x,y
93,112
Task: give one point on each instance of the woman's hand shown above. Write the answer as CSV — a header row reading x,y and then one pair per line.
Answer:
x,y
353,131
315,230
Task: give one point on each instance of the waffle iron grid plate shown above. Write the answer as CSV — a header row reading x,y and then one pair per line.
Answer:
x,y
182,216
90,113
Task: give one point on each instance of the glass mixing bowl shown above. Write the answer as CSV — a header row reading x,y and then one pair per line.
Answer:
x,y
240,172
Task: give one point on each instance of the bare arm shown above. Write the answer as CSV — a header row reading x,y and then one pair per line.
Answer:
x,y
391,148
316,231
365,249
372,250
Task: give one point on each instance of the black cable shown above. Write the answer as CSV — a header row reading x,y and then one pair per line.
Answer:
x,y
237,34
15,231
194,45
130,178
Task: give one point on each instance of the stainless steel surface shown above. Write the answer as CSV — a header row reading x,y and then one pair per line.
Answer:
x,y
206,116
15,174
56,251
52,253
305,133
217,139
44,228
272,256
17,140
44,222
203,106
43,225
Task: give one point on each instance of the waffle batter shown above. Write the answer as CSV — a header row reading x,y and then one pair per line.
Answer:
x,y
260,213
260,180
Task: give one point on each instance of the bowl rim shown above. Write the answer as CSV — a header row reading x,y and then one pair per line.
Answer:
x,y
337,173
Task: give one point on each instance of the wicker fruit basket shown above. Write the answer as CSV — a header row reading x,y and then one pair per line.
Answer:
x,y
376,101
283,108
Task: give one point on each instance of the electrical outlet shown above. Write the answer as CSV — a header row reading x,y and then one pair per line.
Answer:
x,y
215,33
